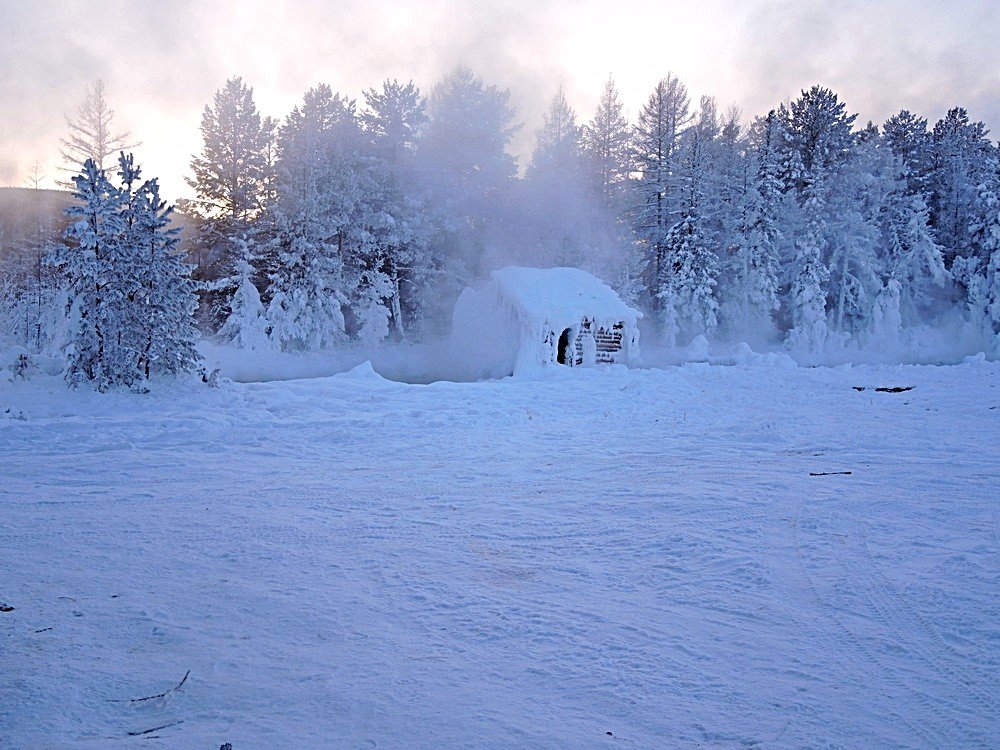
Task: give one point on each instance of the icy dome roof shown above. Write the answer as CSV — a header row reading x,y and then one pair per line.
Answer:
x,y
561,294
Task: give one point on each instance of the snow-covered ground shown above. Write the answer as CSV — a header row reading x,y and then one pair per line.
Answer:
x,y
596,559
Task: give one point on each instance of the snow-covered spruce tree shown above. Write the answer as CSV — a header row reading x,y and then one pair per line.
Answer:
x,y
727,183
129,295
655,140
246,325
754,279
961,156
982,271
691,268
915,260
607,163
688,306
234,184
817,143
856,258
808,292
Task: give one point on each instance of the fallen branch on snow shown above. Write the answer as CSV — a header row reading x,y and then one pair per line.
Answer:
x,y
164,694
155,729
887,389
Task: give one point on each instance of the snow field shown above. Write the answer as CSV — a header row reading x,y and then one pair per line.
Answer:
x,y
353,562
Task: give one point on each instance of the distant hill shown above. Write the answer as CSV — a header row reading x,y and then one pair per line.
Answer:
x,y
23,209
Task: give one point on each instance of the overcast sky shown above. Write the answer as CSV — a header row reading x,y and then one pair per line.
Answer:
x,y
162,61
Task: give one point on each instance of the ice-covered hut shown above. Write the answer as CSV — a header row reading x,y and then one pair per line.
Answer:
x,y
526,318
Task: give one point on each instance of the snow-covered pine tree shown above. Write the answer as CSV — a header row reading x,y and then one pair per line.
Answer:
x,y
30,310
168,325
94,354
915,260
817,128
398,260
605,144
130,296
907,137
230,173
392,119
817,143
554,186
317,194
463,161
234,183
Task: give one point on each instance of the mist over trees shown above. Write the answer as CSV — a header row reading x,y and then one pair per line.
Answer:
x,y
361,220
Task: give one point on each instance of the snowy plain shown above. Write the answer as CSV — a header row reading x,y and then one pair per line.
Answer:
x,y
658,558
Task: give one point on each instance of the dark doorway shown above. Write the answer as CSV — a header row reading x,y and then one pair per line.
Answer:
x,y
563,347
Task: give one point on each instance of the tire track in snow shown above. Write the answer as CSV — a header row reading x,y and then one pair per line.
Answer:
x,y
848,641
897,632
902,622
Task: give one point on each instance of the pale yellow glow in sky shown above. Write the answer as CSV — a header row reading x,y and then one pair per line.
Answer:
x,y
161,63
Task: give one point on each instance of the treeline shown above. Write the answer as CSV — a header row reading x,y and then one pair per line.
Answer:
x,y
351,221
355,220
363,222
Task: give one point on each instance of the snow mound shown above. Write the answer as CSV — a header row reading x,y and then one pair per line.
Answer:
x,y
746,356
364,371
698,349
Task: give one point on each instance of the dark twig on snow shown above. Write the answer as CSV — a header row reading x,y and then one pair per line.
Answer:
x,y
155,729
164,694
827,473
